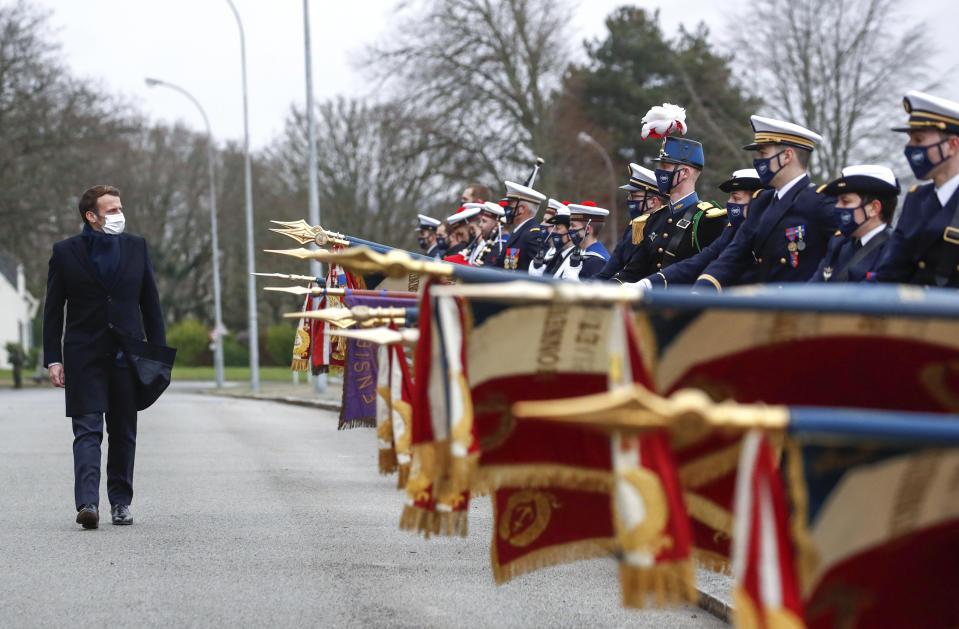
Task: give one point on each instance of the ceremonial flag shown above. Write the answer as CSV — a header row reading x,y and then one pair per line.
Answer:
x,y
652,527
536,528
358,408
302,339
876,532
767,592
330,351
384,422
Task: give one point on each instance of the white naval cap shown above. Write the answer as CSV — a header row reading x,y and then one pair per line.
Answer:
x,y
869,178
587,211
493,209
743,179
927,111
772,131
640,179
553,206
523,193
465,213
427,222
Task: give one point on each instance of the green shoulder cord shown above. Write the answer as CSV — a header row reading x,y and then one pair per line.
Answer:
x,y
696,218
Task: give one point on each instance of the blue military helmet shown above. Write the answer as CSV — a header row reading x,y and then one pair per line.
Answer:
x,y
683,151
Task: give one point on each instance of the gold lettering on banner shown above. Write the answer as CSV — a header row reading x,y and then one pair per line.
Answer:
x,y
587,341
527,515
912,491
551,339
363,364
940,380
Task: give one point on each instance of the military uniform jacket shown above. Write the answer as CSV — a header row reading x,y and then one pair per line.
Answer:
x,y
786,242
672,235
686,271
436,253
919,242
522,246
492,255
845,261
96,312
621,254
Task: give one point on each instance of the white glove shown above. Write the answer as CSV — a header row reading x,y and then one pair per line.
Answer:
x,y
537,270
642,284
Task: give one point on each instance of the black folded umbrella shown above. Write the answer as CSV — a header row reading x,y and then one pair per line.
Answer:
x,y
152,364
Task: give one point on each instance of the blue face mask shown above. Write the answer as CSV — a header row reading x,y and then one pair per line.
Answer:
x,y
634,207
918,158
423,243
666,180
846,219
765,168
441,242
557,241
510,211
736,212
577,236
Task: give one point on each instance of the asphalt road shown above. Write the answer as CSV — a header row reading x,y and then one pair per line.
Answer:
x,y
257,514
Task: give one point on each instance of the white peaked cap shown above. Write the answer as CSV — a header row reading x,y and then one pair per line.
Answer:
x,y
772,131
640,178
552,205
493,208
427,222
579,212
929,112
466,214
523,193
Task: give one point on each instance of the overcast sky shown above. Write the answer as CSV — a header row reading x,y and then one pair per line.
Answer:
x,y
195,44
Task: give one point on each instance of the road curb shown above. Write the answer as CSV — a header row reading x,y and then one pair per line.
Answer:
x,y
707,602
325,405
715,606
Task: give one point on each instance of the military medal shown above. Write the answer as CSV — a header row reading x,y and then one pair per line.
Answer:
x,y
795,236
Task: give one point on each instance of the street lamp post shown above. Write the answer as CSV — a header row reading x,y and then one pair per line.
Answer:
x,y
586,138
316,270
217,304
250,263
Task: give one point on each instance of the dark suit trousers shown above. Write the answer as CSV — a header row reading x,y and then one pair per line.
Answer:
x,y
122,436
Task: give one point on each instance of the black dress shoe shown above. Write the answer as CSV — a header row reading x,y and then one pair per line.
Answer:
x,y
121,514
88,516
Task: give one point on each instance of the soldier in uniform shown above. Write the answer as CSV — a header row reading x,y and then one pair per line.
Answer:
x,y
683,228
788,229
459,231
740,187
561,247
643,199
490,247
525,237
585,225
924,247
546,250
867,198
427,236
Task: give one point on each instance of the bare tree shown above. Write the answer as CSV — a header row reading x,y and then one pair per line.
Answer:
x,y
378,166
485,70
838,67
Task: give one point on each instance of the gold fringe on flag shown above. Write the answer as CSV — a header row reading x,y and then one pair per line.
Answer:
x,y
531,475
671,584
550,556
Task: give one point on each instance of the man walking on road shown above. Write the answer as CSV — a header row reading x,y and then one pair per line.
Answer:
x,y
105,280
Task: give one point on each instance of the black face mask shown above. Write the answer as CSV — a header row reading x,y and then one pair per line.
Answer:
x,y
577,236
441,242
423,244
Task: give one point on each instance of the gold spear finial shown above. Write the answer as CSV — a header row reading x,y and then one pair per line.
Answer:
x,y
636,408
364,260
304,233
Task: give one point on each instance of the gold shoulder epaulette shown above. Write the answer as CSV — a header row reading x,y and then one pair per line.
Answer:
x,y
716,212
913,189
756,194
705,205
639,226
838,233
821,188
534,229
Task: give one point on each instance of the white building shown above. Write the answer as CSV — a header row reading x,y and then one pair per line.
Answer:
x,y
17,309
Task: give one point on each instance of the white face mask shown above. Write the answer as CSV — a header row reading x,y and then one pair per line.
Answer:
x,y
114,224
